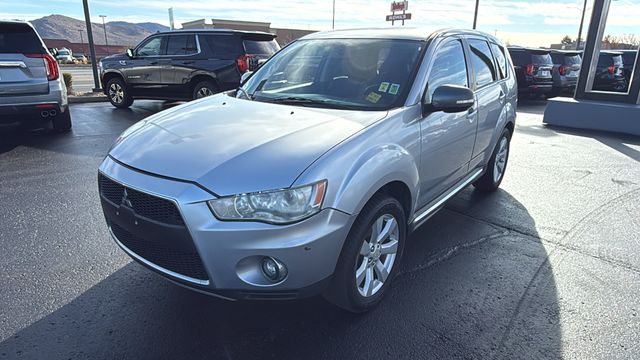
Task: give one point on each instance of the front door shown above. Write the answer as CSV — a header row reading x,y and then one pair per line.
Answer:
x,y
447,138
143,73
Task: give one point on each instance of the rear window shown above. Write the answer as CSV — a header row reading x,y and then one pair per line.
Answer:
x,y
541,58
609,59
261,47
572,59
19,38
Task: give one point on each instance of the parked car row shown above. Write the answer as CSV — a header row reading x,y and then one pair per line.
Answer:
x,y
549,73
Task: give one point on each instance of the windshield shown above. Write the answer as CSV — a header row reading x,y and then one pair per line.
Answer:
x,y
364,74
63,52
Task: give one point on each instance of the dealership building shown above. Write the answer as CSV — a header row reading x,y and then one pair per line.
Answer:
x,y
285,36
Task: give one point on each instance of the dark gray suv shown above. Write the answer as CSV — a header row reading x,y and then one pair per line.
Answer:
x,y
184,65
309,179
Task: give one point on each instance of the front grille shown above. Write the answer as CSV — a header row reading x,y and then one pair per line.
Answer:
x,y
181,262
149,206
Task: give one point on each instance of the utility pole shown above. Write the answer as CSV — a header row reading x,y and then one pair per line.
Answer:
x,y
584,10
475,15
104,27
333,22
92,50
171,26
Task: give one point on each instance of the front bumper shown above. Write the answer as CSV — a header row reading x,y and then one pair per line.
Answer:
x,y
230,252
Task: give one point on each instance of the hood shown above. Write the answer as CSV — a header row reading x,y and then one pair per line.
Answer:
x,y
233,146
115,57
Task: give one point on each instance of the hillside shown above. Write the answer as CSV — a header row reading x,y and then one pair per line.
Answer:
x,y
118,32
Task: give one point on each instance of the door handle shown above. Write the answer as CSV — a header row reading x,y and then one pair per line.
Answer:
x,y
502,96
189,62
153,63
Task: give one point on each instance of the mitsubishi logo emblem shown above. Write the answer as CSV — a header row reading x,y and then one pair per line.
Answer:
x,y
125,199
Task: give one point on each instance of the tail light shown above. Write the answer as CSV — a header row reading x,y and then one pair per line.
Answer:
x,y
530,69
612,69
562,70
53,72
244,63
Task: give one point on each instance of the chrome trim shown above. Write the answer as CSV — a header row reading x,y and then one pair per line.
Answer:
x,y
429,211
9,64
154,266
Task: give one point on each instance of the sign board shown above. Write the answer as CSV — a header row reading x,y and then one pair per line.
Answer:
x,y
399,6
397,17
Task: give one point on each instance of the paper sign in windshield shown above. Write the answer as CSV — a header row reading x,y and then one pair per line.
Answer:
x,y
383,87
373,97
394,88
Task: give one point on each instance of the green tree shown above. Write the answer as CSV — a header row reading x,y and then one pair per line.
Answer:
x,y
566,40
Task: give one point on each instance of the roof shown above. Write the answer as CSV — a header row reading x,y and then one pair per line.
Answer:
x,y
407,33
520,48
213,31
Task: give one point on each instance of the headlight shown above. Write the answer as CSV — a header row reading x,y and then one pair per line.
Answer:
x,y
278,207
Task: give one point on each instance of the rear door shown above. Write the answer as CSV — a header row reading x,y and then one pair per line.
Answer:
x,y
182,56
22,66
490,95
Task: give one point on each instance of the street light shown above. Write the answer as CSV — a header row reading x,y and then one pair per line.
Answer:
x,y
92,50
105,33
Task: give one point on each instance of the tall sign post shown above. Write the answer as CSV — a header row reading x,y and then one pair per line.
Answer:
x,y
92,50
397,7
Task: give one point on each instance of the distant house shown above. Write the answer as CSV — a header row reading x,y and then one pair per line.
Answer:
x,y
285,36
83,48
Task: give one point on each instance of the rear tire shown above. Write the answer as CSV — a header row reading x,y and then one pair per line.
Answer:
x,y
366,267
204,89
497,165
118,93
62,121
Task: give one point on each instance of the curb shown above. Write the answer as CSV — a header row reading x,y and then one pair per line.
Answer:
x,y
86,99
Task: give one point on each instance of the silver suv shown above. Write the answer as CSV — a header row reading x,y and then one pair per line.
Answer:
x,y
309,178
32,91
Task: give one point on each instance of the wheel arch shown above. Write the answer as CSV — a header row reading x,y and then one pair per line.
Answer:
x,y
108,76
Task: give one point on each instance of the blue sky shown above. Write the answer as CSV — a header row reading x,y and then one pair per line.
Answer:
x,y
532,22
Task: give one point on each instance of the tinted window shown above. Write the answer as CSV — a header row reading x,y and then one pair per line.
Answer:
x,y
501,60
260,47
617,60
519,57
182,45
572,60
482,61
449,67
223,46
19,38
151,47
541,58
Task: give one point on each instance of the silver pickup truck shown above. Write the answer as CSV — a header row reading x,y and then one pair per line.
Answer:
x,y
308,179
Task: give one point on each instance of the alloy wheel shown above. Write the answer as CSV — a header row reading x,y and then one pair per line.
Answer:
x,y
203,92
116,93
501,159
377,255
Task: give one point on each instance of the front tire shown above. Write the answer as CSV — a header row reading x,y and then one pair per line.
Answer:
x,y
118,93
370,257
496,166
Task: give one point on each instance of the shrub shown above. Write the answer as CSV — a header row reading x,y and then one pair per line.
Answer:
x,y
68,81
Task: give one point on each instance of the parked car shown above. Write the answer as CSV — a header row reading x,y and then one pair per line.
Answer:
x,y
311,177
629,58
32,92
183,65
566,68
65,56
533,68
609,75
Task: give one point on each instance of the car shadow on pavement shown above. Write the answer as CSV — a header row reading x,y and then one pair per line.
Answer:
x,y
475,283
616,141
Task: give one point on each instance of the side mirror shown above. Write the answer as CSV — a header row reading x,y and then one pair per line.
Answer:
x,y
452,99
245,76
130,53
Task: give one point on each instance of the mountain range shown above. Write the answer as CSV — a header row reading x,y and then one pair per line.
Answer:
x,y
118,32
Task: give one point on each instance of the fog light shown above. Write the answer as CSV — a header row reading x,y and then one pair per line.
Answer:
x,y
273,269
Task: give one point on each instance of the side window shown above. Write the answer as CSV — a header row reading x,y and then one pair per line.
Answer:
x,y
223,46
501,60
482,61
181,45
152,47
449,67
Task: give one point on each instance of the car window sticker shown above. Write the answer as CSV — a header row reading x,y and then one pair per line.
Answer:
x,y
394,88
383,87
373,97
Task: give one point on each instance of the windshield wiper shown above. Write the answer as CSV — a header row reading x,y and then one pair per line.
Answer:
x,y
246,94
298,100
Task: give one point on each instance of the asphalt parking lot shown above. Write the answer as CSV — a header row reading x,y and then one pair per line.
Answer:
x,y
548,267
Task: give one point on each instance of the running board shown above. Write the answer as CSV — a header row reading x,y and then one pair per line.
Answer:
x,y
424,215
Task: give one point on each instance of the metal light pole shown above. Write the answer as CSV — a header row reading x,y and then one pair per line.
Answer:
x,y
81,39
584,10
92,50
475,15
104,27
333,21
